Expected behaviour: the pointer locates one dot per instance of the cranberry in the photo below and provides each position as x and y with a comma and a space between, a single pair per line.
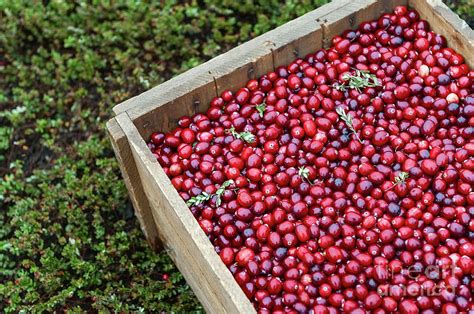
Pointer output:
408, 307
227, 256
429, 167
244, 256
373, 301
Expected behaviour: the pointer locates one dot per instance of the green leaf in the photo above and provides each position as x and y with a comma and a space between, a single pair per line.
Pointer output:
358, 80
245, 136
261, 109
304, 173
401, 178
199, 199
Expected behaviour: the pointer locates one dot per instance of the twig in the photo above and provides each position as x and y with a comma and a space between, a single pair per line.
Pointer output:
347, 118
204, 197
399, 179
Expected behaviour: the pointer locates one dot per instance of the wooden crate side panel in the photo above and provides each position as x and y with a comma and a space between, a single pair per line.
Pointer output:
196, 76
388, 6
132, 182
165, 117
443, 21
277, 47
259, 49
289, 48
233, 69
301, 36
188, 245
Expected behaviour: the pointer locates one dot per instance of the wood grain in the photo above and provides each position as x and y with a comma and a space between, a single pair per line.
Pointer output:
131, 178
187, 101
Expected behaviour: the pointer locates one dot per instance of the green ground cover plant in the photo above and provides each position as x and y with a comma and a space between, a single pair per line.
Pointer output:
68, 236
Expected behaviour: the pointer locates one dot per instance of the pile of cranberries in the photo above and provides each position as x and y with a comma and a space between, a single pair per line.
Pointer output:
326, 197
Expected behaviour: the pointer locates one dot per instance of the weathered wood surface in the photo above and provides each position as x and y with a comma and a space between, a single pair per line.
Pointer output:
132, 182
187, 244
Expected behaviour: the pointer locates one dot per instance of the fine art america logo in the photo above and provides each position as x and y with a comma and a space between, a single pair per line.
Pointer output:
433, 275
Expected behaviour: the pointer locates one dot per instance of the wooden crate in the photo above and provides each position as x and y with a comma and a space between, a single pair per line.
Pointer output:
164, 217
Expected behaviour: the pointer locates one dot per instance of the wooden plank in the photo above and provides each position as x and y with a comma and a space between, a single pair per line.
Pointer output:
131, 178
308, 29
189, 247
187, 101
169, 90
232, 69
243, 63
309, 40
347, 18
278, 47
159, 110
445, 22
388, 6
